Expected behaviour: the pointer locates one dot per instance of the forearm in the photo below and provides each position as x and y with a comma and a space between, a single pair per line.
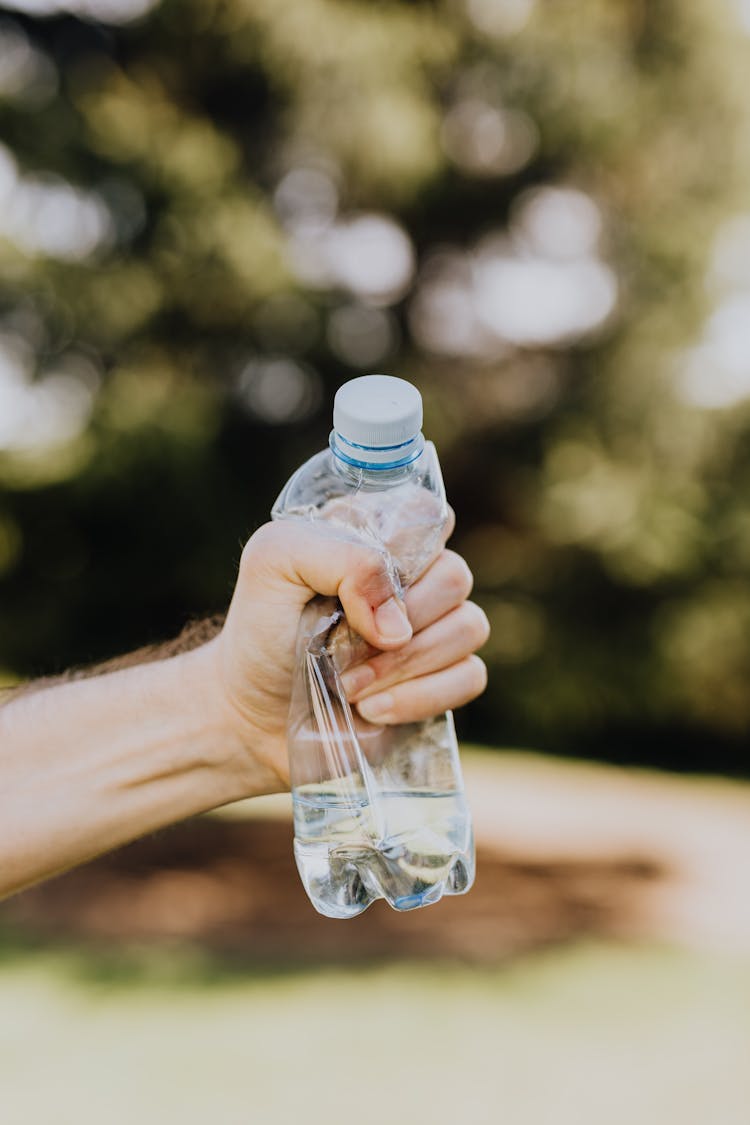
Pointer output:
89, 765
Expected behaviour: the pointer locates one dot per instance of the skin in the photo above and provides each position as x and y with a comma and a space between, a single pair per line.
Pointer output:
91, 764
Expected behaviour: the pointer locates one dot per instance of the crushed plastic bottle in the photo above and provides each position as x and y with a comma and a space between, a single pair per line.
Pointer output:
379, 811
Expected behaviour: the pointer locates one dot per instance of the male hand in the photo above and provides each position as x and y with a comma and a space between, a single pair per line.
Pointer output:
426, 663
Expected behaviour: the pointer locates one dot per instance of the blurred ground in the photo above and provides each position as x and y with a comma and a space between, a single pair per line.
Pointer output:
599, 971
564, 850
566, 1037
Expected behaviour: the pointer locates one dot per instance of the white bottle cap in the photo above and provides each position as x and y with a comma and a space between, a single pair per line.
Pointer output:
377, 421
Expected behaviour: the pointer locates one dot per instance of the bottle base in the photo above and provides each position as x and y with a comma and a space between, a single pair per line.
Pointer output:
409, 848
338, 887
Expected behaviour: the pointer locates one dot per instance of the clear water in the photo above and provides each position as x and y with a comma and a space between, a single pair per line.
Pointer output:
413, 844
411, 848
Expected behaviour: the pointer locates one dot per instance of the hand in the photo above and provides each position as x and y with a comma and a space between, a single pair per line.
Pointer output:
426, 663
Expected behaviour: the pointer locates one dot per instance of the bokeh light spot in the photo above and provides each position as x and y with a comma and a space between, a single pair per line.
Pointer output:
498, 18
100, 11
559, 223
486, 141
305, 197
369, 255
47, 216
26, 73
279, 390
716, 373
536, 302
361, 336
49, 411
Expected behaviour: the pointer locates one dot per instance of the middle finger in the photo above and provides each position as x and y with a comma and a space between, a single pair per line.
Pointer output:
444, 643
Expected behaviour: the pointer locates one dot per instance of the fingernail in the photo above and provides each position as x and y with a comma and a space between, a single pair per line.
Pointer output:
391, 621
357, 679
377, 708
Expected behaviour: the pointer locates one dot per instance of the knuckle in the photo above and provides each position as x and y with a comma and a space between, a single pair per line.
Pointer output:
458, 576
258, 541
476, 625
385, 664
372, 572
477, 674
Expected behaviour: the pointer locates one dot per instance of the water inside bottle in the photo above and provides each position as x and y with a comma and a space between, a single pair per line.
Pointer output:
379, 811
409, 847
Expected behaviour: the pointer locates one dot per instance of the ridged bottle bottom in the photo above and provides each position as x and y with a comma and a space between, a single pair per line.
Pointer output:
415, 848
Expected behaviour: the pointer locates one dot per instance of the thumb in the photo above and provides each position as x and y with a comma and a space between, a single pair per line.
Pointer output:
299, 561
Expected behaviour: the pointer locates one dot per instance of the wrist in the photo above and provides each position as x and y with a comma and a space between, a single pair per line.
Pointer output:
237, 755
90, 765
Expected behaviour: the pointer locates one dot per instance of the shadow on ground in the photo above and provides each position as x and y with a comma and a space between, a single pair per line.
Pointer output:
231, 888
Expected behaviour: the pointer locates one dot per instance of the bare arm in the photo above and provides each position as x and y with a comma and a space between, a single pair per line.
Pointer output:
92, 763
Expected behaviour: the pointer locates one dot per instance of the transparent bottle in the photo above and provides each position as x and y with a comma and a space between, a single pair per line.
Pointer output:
379, 811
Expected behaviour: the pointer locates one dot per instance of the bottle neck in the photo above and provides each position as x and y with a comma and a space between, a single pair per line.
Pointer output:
376, 467
378, 458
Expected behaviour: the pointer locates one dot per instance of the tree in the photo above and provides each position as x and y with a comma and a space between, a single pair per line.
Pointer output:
216, 211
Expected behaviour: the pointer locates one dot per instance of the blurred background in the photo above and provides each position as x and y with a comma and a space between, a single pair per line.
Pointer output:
213, 213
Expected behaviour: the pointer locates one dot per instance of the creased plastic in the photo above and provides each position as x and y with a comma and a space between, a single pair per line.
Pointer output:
379, 810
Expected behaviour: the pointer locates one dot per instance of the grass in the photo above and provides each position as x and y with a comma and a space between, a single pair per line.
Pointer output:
589, 1034
576, 1036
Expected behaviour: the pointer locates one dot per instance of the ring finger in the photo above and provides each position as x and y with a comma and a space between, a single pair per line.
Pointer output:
426, 696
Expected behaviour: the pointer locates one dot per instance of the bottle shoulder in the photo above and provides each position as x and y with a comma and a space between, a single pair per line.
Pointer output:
324, 478
309, 487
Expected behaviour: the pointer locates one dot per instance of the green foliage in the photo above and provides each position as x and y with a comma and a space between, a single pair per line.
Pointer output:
189, 313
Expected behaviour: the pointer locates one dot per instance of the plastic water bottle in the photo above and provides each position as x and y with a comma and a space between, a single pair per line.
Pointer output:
379, 811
